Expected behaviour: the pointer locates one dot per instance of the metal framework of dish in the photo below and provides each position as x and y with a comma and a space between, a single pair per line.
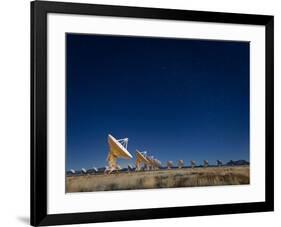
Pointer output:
117, 149
141, 159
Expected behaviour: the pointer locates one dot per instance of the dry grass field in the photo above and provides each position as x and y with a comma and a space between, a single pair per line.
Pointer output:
173, 178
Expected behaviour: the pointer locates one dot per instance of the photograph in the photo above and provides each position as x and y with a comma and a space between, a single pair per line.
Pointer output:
156, 112
148, 112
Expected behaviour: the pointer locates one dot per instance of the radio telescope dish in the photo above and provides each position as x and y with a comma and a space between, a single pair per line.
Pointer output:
150, 163
84, 171
95, 169
130, 168
156, 163
117, 149
140, 158
219, 163
169, 164
180, 164
72, 171
192, 163
206, 163
106, 169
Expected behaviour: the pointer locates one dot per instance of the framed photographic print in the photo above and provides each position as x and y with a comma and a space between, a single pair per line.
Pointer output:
143, 113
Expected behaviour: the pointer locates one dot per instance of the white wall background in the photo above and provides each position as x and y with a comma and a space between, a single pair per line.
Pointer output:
14, 110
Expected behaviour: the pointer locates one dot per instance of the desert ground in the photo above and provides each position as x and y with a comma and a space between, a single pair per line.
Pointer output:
172, 178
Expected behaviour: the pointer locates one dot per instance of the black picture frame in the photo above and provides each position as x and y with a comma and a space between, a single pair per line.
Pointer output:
39, 11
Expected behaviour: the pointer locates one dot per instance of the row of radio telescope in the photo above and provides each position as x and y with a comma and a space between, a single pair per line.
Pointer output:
118, 150
145, 165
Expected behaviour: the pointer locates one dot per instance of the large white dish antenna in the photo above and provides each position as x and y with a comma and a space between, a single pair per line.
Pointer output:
192, 163
141, 157
84, 171
170, 164
72, 171
219, 163
117, 149
180, 164
150, 159
206, 163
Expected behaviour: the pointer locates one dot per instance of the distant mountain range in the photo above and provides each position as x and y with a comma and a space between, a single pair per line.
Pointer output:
237, 163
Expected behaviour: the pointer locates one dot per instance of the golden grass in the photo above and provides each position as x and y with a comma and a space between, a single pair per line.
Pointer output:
173, 178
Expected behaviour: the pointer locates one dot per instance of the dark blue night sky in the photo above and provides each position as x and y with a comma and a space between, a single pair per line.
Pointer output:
176, 98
